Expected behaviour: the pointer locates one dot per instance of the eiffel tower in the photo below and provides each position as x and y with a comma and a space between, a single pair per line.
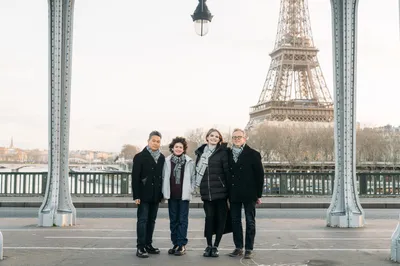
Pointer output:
295, 88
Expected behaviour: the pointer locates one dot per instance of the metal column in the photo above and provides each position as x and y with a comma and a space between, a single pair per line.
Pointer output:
345, 209
57, 208
395, 239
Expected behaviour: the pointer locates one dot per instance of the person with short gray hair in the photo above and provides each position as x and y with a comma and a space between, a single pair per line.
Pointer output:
246, 172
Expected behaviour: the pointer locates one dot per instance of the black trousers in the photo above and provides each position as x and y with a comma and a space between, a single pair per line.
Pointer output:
216, 212
250, 214
146, 220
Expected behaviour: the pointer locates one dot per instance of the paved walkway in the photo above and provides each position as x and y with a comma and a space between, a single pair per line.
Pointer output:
290, 202
279, 242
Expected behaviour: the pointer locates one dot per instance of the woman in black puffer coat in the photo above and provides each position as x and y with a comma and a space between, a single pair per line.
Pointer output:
211, 176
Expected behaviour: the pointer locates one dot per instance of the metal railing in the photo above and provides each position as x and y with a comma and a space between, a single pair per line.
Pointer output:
80, 183
119, 183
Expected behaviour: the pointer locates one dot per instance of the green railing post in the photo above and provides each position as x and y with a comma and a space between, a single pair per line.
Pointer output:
363, 183
124, 184
44, 183
282, 184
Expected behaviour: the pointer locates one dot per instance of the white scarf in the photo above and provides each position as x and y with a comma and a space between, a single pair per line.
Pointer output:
203, 162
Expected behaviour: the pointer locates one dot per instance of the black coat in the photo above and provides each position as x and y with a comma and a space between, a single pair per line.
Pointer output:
246, 180
147, 177
213, 186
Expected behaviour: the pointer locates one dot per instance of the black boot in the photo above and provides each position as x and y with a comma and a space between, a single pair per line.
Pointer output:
236, 253
248, 254
214, 252
152, 250
180, 251
142, 253
207, 252
172, 250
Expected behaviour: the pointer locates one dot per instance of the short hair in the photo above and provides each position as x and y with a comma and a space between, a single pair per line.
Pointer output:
176, 140
239, 130
221, 139
154, 133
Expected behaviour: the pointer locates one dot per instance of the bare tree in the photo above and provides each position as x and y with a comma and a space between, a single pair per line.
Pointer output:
129, 151
291, 145
34, 156
328, 145
371, 145
295, 143
264, 139
195, 138
393, 148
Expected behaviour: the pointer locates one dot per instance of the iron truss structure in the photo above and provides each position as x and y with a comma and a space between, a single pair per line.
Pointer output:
295, 88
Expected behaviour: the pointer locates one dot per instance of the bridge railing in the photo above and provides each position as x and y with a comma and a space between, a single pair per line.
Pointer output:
119, 183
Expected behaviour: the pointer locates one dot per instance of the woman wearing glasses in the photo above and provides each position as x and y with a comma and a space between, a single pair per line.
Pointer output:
212, 172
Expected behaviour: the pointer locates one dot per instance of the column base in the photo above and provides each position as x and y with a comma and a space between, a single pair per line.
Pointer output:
46, 219
344, 220
59, 219
1, 246
65, 219
395, 246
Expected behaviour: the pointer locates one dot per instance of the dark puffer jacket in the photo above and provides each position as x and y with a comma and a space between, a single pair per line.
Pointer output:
213, 186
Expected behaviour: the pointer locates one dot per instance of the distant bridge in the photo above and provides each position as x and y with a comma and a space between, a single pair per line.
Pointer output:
18, 167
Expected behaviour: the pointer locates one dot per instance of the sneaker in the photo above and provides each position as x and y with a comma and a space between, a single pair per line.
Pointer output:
180, 251
214, 252
236, 252
248, 254
172, 250
152, 250
207, 252
142, 253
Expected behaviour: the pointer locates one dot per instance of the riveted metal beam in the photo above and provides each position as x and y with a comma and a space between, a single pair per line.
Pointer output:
57, 208
345, 209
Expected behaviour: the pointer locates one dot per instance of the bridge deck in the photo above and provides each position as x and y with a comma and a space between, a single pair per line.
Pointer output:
111, 241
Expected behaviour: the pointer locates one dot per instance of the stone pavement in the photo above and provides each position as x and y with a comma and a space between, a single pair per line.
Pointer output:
279, 242
291, 202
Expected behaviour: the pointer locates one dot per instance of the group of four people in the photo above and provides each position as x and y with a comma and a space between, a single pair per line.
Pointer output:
227, 178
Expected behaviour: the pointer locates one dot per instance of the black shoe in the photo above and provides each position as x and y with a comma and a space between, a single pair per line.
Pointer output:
214, 252
172, 250
152, 250
248, 254
180, 251
142, 253
236, 253
207, 252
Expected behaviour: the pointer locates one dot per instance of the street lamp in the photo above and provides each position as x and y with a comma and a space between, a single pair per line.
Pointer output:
201, 18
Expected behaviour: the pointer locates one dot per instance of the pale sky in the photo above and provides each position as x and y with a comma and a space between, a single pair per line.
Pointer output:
139, 66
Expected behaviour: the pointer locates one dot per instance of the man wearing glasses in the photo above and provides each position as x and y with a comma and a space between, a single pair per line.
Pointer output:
245, 189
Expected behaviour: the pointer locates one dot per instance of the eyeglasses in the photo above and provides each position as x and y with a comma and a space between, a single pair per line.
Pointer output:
237, 137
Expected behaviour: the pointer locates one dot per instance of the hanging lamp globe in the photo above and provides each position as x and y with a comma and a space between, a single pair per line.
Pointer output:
202, 18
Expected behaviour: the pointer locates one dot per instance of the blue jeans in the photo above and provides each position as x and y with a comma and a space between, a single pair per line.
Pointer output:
250, 214
178, 221
146, 220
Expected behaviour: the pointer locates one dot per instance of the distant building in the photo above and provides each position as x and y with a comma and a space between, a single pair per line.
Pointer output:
12, 154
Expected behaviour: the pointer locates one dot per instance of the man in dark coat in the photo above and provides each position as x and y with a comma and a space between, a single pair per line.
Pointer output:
246, 183
146, 188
